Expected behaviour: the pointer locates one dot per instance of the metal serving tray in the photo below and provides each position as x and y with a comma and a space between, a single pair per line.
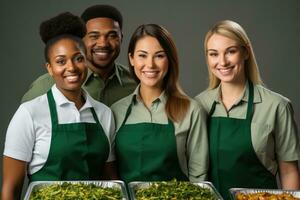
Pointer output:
140, 184
234, 191
105, 184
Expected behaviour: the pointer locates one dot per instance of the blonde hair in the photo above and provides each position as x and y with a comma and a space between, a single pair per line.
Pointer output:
235, 32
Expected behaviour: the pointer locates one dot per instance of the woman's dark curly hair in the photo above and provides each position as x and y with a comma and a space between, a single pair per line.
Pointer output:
64, 25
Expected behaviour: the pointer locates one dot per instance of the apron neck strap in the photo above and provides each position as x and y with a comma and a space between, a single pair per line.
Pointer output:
52, 107
53, 111
250, 101
212, 110
249, 106
95, 115
128, 111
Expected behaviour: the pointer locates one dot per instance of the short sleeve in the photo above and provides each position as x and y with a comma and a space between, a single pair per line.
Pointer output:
286, 136
197, 146
20, 136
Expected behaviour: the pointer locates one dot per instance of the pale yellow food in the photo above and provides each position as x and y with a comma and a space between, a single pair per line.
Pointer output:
265, 196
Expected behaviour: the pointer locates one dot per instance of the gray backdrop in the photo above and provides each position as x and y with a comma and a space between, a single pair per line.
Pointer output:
272, 25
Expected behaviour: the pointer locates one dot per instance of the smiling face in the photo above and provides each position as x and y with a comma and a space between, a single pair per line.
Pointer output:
150, 62
67, 65
226, 59
103, 40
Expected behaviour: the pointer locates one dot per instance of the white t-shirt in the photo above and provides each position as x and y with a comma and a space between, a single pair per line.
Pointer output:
28, 136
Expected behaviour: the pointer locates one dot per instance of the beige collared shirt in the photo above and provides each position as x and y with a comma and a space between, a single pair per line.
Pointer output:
190, 133
273, 128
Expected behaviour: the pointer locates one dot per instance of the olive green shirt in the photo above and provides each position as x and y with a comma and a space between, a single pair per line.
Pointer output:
273, 128
190, 133
117, 86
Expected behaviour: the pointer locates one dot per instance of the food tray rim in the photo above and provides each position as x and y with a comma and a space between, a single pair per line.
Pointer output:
207, 184
233, 191
120, 183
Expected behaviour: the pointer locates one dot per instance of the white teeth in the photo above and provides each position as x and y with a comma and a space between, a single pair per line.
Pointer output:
150, 74
101, 53
72, 78
225, 71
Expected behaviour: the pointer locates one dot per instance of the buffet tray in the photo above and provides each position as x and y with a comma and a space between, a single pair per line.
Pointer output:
141, 184
234, 191
105, 184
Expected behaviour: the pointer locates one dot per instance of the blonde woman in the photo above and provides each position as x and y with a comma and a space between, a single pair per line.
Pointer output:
252, 132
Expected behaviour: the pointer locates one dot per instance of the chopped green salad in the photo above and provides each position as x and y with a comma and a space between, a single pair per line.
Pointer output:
174, 190
78, 191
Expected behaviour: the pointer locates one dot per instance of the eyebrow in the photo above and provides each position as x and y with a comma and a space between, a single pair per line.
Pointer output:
143, 51
233, 46
64, 56
60, 56
93, 32
99, 32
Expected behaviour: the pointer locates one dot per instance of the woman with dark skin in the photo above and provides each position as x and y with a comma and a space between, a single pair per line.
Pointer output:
64, 134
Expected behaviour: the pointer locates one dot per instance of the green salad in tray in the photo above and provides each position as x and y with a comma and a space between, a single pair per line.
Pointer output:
72, 191
174, 190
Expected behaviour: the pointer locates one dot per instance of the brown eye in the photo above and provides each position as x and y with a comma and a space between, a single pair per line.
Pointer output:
233, 51
142, 55
60, 61
93, 36
213, 54
160, 55
79, 58
113, 35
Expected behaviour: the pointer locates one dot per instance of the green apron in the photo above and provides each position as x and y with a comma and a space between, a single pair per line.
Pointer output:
78, 151
233, 160
147, 152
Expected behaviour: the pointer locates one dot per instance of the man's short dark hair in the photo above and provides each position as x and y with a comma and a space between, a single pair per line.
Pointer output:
106, 11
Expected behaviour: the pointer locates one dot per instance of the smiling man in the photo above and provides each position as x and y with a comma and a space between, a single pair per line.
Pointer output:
107, 81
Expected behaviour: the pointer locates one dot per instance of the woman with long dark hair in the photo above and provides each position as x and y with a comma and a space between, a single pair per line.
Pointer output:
161, 132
